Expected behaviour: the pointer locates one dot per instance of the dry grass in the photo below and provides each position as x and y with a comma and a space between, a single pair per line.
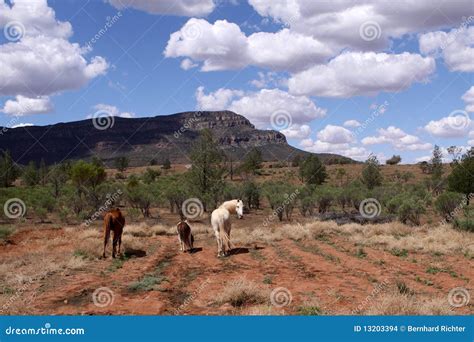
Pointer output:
262, 310
242, 292
395, 303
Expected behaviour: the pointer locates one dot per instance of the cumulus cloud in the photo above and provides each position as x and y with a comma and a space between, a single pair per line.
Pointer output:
357, 73
25, 106
458, 124
110, 111
188, 8
398, 139
468, 98
223, 46
456, 47
260, 106
297, 131
335, 135
40, 60
352, 123
365, 24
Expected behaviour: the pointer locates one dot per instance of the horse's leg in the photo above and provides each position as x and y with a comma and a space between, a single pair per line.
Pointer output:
120, 244
114, 243
106, 238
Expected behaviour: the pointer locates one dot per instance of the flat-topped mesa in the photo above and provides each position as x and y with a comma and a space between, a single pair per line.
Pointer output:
144, 139
212, 119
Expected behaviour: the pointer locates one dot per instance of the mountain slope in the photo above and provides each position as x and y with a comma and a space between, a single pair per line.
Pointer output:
144, 139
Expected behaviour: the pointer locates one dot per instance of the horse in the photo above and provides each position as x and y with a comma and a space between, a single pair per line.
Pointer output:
220, 221
113, 221
185, 237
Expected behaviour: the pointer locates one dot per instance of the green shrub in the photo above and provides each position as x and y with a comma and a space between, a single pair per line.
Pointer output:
447, 203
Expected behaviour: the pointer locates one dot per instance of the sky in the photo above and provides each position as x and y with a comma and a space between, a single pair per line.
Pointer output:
349, 77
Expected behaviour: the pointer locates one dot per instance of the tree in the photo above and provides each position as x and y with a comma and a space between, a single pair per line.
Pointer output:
252, 162
447, 203
43, 172
9, 171
296, 161
206, 174
371, 175
166, 164
58, 176
30, 174
394, 160
461, 178
121, 163
437, 165
425, 167
87, 177
312, 171
150, 175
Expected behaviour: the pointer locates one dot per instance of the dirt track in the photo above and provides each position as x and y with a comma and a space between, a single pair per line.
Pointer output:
331, 270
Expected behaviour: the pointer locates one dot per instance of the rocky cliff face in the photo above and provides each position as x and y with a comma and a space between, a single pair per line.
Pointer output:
143, 139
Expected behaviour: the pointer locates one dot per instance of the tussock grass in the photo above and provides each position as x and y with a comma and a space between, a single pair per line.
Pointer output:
242, 292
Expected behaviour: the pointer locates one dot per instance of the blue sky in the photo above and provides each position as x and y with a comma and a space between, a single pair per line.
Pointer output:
349, 78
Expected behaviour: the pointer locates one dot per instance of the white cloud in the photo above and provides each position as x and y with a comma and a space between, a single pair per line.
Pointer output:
296, 131
111, 111
188, 8
454, 126
223, 46
335, 135
468, 97
340, 23
23, 124
187, 64
42, 61
26, 106
398, 139
356, 73
352, 123
259, 106
269, 79
456, 47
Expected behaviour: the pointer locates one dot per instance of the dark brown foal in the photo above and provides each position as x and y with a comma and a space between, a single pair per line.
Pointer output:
113, 221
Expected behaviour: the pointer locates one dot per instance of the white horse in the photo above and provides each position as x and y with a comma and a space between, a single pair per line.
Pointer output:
220, 221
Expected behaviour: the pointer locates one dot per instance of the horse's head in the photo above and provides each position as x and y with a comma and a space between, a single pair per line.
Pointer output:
239, 208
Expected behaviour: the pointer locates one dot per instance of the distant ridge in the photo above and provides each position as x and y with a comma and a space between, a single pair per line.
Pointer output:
144, 139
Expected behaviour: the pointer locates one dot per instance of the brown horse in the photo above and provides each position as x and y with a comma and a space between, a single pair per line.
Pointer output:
113, 221
185, 237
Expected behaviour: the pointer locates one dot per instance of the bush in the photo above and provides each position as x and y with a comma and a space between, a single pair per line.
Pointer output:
325, 196
394, 160
371, 175
312, 171
447, 202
